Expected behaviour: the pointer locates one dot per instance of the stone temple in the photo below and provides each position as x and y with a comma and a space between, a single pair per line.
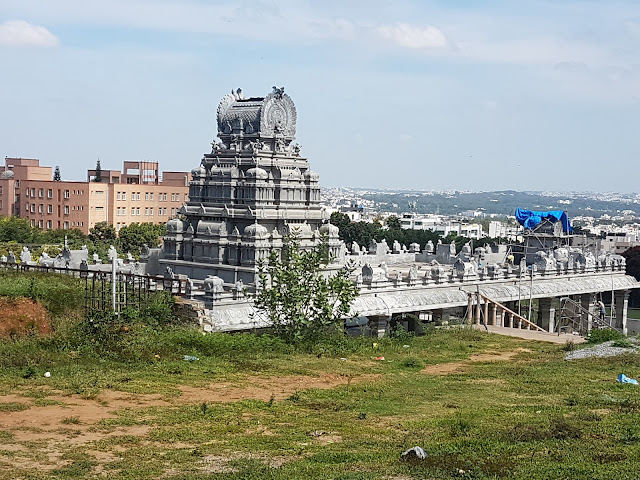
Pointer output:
251, 190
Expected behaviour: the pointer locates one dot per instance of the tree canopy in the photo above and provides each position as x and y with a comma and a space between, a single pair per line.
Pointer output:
299, 300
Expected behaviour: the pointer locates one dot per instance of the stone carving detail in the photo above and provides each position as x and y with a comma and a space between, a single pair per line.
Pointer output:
545, 263
373, 275
225, 103
463, 269
413, 274
25, 255
429, 247
278, 115
112, 253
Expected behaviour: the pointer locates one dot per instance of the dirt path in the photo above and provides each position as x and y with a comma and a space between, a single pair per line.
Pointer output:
456, 367
71, 421
77, 414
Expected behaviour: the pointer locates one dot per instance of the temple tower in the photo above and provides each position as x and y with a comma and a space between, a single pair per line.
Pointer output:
251, 190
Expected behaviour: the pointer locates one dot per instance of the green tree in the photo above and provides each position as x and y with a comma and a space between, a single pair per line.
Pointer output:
340, 220
133, 237
632, 256
15, 229
98, 175
299, 300
103, 233
393, 222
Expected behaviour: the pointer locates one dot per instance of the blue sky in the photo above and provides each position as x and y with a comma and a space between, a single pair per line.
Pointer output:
535, 95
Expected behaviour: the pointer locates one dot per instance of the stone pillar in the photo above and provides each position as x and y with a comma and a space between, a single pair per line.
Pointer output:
478, 307
547, 308
470, 310
499, 317
486, 312
587, 303
622, 303
379, 325
510, 319
494, 316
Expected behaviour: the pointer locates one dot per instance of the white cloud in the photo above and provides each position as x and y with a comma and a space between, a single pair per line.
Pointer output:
18, 33
406, 35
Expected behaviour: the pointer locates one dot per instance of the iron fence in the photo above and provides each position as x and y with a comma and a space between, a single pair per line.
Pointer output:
104, 291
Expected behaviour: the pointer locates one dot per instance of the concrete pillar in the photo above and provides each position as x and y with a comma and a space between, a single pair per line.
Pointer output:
494, 311
470, 310
486, 312
622, 304
510, 319
547, 309
587, 303
379, 325
478, 307
499, 317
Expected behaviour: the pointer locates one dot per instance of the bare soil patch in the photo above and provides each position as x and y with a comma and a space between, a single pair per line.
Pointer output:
71, 420
453, 367
22, 316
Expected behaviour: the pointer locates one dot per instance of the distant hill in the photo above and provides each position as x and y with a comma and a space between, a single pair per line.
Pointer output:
505, 202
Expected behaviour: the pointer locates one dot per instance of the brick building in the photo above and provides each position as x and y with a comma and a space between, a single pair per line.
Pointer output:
137, 194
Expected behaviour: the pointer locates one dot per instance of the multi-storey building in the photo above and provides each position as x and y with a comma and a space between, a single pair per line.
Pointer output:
137, 194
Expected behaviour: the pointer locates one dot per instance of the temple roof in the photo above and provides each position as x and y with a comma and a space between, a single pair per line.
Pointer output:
270, 116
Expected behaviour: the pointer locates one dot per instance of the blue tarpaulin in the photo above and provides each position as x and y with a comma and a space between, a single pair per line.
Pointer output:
531, 219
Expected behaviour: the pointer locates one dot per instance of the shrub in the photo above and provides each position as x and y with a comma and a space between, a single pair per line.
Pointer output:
601, 335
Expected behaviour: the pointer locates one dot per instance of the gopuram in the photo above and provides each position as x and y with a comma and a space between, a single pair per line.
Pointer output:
251, 190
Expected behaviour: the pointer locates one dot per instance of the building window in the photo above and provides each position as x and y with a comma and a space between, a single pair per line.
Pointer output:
49, 208
146, 195
133, 211
146, 211
33, 208
151, 211
99, 192
0, 190
41, 208
50, 193
33, 192
66, 209
99, 208
138, 196
40, 192
66, 225
66, 194
40, 223
151, 196
118, 196
49, 224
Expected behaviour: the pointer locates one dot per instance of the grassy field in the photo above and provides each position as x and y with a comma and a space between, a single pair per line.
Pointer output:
122, 402
481, 405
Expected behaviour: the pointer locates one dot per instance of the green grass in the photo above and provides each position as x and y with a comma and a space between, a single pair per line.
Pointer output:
533, 416
58, 293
